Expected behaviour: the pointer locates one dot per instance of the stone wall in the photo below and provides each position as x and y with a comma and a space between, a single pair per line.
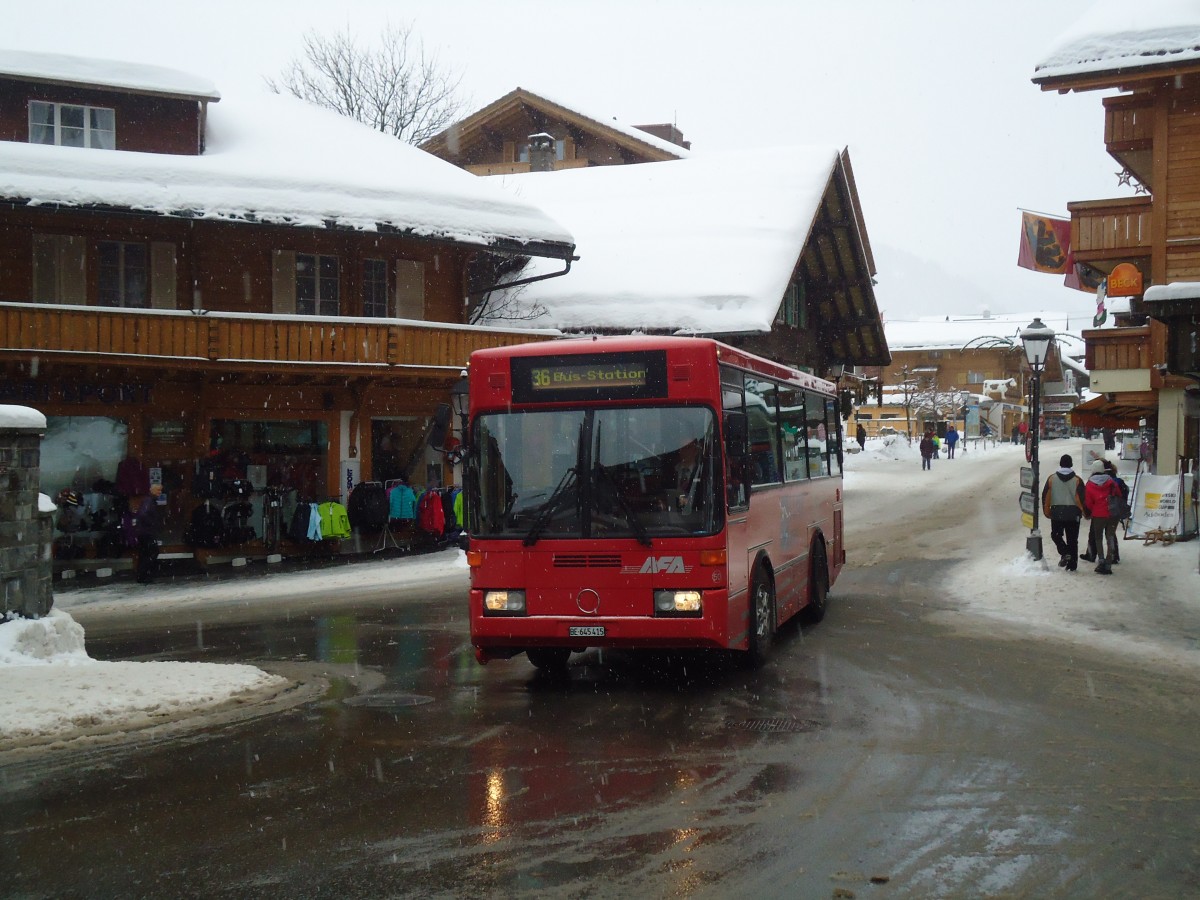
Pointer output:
26, 530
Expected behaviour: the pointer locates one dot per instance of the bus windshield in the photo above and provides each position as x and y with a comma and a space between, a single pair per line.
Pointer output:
650, 471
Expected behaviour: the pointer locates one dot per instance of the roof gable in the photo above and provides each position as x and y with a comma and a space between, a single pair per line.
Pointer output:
457, 142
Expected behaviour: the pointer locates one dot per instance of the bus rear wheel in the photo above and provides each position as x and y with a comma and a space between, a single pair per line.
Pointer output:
762, 618
549, 659
818, 587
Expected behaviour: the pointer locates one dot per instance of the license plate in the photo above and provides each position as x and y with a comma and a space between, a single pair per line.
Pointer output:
585, 631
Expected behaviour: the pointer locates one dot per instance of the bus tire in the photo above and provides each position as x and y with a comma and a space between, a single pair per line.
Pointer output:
818, 586
762, 617
549, 659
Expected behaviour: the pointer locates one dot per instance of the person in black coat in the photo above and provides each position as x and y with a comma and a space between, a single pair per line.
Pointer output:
147, 525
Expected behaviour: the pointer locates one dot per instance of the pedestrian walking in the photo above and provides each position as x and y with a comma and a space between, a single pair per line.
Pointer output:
1102, 499
928, 448
1064, 503
140, 526
861, 436
951, 440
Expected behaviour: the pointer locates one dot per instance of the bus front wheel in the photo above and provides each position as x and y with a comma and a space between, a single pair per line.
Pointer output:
549, 659
762, 618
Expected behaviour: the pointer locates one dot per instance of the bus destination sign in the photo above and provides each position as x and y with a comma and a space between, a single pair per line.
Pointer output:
568, 377
589, 376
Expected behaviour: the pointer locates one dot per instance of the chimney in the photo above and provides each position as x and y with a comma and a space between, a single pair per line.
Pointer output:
541, 152
666, 132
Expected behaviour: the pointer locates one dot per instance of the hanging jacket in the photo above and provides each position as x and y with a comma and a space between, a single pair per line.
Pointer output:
132, 478
430, 515
402, 503
314, 523
334, 522
367, 505
458, 508
298, 528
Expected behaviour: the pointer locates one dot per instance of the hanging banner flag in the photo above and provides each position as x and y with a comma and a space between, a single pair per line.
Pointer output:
1101, 311
1045, 244
1083, 277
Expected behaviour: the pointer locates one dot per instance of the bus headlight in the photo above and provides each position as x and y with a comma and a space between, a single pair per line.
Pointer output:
678, 603
504, 603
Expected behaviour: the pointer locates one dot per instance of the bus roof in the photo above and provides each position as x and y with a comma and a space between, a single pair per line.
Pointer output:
627, 343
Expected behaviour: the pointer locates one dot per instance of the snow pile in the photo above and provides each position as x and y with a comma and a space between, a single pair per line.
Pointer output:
52, 687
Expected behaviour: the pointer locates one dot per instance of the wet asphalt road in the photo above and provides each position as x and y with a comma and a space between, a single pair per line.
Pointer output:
875, 755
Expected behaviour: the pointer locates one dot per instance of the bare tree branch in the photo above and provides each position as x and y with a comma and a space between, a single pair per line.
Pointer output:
394, 87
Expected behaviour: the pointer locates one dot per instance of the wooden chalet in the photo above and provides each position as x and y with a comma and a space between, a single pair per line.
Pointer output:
498, 139
187, 278
1152, 129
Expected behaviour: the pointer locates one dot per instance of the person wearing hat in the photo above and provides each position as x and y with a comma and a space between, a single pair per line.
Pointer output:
1100, 486
1064, 504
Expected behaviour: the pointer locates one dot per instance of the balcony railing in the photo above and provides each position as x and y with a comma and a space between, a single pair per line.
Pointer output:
153, 336
1110, 229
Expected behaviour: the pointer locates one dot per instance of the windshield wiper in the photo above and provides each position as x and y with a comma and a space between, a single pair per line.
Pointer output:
550, 507
639, 530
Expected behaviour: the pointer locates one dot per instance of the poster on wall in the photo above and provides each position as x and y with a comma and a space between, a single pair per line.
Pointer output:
1156, 503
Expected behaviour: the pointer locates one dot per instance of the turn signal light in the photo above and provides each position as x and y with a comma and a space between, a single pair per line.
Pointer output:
474, 558
712, 557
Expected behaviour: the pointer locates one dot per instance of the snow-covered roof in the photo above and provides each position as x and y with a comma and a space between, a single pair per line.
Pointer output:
955, 332
21, 417
275, 159
705, 244
105, 73
1119, 36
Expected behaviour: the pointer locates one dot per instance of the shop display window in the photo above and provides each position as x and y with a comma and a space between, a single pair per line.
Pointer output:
79, 460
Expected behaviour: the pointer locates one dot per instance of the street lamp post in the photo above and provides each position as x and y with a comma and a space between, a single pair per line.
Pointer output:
1036, 339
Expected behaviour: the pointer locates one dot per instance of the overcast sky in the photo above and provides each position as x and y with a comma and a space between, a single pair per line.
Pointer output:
947, 134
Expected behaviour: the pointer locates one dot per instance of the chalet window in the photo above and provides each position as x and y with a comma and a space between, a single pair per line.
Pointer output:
792, 312
317, 285
974, 377
59, 268
69, 125
560, 151
410, 289
123, 274
375, 287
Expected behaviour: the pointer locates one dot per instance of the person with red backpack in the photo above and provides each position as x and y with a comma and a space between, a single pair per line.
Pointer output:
1103, 500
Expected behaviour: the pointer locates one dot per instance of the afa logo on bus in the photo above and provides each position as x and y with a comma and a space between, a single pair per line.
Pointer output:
654, 565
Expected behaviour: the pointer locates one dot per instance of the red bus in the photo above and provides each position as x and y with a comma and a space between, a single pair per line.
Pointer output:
647, 492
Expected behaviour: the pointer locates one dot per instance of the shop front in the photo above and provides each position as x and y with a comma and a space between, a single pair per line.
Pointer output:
234, 443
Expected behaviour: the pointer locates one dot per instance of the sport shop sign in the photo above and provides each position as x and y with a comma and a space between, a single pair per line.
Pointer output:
34, 393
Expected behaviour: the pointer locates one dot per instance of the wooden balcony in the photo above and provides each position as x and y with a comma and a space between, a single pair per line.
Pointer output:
224, 340
1129, 133
1142, 348
1110, 231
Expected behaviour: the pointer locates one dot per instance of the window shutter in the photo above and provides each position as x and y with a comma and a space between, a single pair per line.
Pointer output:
162, 275
283, 282
410, 289
59, 268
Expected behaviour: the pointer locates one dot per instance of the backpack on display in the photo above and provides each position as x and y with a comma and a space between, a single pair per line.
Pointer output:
207, 527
